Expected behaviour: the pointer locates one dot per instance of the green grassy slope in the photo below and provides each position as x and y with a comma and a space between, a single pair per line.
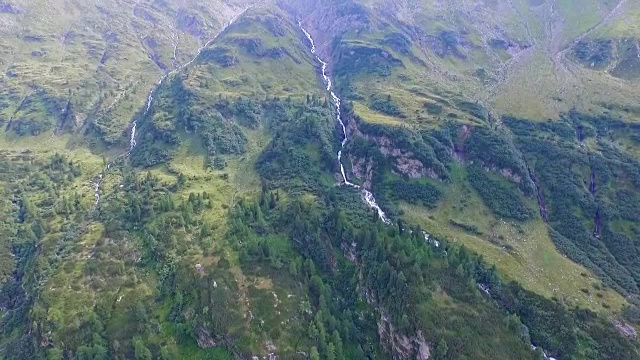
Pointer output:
223, 233
421, 78
85, 65
98, 283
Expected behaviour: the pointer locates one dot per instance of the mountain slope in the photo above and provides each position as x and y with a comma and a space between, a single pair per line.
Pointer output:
89, 65
223, 231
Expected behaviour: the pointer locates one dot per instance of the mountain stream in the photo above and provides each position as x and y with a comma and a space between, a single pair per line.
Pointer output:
132, 139
367, 196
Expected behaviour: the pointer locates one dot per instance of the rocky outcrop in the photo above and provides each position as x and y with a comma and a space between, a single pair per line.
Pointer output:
142, 13
401, 346
405, 162
204, 338
507, 173
190, 23
414, 169
7, 8
625, 329
362, 171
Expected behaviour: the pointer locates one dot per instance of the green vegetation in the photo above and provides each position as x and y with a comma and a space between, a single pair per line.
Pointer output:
224, 234
502, 199
424, 194
95, 74
386, 106
580, 188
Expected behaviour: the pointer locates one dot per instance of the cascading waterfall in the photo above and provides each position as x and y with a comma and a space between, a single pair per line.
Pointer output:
132, 138
367, 196
132, 141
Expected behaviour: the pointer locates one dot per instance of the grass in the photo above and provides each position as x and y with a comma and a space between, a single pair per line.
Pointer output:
46, 145
371, 116
226, 187
581, 16
98, 55
193, 351
627, 24
521, 251
535, 86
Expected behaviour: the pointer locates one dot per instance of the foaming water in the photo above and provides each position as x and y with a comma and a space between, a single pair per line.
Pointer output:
367, 196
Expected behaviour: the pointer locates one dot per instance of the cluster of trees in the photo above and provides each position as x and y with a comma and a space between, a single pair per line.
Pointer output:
494, 149
501, 197
385, 105
219, 125
474, 109
413, 192
431, 147
352, 275
593, 53
583, 213
351, 59
38, 112
35, 195
394, 272
303, 144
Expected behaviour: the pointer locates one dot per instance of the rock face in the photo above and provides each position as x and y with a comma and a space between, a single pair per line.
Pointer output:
413, 168
204, 338
506, 172
625, 329
362, 171
8, 8
401, 346
404, 163
190, 23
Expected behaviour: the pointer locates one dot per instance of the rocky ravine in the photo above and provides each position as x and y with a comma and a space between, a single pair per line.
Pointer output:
367, 196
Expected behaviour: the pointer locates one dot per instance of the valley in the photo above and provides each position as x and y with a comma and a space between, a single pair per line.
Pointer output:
305, 179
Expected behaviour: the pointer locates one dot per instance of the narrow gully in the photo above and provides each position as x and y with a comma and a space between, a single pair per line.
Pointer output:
132, 139
367, 196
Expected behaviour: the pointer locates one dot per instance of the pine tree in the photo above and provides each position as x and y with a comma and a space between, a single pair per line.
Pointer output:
141, 351
337, 341
331, 352
360, 355
314, 355
441, 350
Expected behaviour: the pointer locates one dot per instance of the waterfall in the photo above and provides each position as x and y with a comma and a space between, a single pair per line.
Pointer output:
367, 196
132, 139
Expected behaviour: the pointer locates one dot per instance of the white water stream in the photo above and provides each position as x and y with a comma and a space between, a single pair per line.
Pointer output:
132, 138
367, 196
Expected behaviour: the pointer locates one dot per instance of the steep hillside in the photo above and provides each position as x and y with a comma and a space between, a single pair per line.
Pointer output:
88, 66
202, 180
488, 51
402, 68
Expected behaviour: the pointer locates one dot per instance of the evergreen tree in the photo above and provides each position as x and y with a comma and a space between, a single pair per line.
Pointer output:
141, 351
337, 341
360, 355
314, 355
441, 350
331, 352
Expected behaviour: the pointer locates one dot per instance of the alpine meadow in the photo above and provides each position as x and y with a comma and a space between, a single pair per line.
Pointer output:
320, 179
